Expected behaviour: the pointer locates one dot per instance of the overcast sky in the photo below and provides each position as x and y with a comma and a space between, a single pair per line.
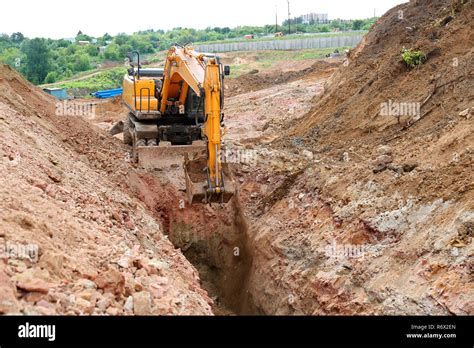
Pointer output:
63, 19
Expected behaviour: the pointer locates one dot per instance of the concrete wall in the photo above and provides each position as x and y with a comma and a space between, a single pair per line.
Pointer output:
294, 44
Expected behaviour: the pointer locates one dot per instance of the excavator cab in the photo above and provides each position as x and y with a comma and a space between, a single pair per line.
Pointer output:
176, 117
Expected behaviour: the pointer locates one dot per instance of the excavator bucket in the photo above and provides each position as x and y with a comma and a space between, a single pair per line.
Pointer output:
166, 155
194, 159
197, 184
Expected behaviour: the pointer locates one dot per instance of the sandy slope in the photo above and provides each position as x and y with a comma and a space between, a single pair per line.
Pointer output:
63, 189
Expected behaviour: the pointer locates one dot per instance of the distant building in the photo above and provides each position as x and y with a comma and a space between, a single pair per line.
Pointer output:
348, 21
249, 37
59, 93
83, 43
315, 18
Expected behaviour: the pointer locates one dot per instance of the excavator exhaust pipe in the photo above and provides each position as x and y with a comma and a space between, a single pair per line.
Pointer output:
197, 185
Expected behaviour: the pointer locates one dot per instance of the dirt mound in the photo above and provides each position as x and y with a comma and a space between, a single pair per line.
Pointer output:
375, 74
351, 113
74, 237
285, 72
110, 111
14, 90
380, 220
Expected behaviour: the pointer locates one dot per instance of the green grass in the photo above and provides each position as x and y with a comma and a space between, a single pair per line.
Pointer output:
108, 79
158, 57
413, 58
268, 59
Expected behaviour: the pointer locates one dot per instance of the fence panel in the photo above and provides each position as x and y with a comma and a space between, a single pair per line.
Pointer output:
295, 44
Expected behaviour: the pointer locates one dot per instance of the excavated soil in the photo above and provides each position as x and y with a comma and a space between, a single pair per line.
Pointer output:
284, 72
340, 210
380, 220
64, 190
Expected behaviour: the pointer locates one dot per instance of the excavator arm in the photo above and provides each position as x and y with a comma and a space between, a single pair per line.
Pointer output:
184, 69
212, 128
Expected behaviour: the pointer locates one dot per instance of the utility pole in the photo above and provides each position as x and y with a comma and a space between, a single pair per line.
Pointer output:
289, 16
276, 18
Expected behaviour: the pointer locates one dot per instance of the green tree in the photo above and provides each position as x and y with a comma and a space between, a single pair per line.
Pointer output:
124, 50
17, 37
81, 62
38, 60
71, 50
112, 52
121, 39
368, 23
357, 24
82, 37
67, 74
61, 43
107, 37
13, 57
4, 38
5, 42
324, 29
92, 50
51, 77
185, 36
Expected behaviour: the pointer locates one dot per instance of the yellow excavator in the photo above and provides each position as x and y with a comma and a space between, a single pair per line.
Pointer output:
177, 112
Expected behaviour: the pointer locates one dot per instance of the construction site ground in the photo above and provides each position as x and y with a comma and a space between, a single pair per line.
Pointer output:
340, 211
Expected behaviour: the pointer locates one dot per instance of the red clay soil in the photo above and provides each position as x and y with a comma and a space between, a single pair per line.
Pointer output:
346, 212
64, 189
380, 221
255, 81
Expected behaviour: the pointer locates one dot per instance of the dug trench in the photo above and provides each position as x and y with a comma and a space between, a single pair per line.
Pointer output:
213, 238
331, 171
219, 239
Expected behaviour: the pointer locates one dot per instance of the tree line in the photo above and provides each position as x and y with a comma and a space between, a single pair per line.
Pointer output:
47, 61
